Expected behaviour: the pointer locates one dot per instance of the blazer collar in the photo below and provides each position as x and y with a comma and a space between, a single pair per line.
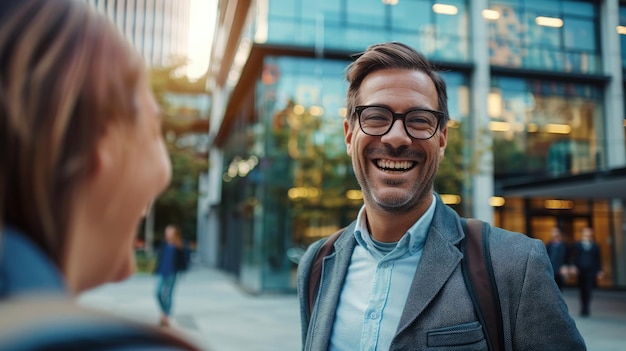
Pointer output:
439, 260
334, 265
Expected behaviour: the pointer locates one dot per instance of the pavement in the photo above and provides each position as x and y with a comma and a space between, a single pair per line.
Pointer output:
211, 309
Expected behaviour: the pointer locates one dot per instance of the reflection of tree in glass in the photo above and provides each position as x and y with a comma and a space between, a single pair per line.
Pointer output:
320, 176
451, 173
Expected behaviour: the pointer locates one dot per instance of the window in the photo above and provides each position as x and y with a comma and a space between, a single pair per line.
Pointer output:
546, 35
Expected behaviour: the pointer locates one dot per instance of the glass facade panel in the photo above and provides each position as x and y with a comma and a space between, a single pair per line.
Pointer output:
452, 173
546, 35
413, 16
536, 217
544, 128
355, 24
366, 13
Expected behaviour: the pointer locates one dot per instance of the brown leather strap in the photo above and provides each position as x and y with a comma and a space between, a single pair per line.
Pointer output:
316, 268
480, 281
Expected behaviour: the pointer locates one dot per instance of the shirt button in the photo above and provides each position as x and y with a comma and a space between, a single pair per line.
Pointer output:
385, 264
373, 315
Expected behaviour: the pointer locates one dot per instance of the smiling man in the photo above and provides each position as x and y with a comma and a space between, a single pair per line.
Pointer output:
394, 280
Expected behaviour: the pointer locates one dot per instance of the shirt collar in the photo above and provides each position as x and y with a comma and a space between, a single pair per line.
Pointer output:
411, 242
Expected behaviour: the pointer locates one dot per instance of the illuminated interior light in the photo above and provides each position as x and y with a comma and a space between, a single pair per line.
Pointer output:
354, 195
342, 112
532, 128
443, 9
453, 123
500, 126
621, 30
496, 201
490, 15
390, 2
450, 199
558, 128
312, 192
558, 204
549, 22
243, 169
316, 111
298, 109
292, 193
494, 105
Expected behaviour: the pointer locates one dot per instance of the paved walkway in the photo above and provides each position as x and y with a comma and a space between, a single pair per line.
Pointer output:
213, 310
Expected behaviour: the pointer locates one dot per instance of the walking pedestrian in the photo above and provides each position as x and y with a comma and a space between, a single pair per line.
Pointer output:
172, 259
587, 263
558, 251
394, 280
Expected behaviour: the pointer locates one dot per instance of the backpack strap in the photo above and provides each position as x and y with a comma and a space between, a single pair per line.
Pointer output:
316, 268
480, 280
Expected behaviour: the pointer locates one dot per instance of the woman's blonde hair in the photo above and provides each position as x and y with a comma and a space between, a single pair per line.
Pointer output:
66, 73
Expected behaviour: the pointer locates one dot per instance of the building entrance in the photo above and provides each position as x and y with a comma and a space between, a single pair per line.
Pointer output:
571, 225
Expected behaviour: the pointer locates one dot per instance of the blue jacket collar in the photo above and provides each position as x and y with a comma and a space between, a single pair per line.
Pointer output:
25, 269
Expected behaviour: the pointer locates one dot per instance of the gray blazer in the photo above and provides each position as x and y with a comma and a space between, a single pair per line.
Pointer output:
438, 314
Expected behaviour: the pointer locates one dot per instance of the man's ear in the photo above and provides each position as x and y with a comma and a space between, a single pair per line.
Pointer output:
347, 131
443, 141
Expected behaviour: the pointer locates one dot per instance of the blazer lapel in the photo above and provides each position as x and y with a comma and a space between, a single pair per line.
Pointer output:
439, 260
334, 271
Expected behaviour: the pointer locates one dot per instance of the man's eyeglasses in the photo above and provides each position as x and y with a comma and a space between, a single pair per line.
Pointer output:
419, 123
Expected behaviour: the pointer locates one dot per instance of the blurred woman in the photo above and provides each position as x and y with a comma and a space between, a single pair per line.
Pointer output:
81, 149
172, 258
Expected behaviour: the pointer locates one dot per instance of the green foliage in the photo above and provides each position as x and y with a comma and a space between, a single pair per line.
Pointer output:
178, 204
451, 173
144, 263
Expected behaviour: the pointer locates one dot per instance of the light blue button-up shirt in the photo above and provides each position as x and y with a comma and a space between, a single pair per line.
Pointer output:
376, 288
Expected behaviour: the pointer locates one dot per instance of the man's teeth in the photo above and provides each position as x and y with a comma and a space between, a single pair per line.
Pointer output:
399, 165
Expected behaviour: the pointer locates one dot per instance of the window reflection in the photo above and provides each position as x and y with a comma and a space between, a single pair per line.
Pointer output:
440, 31
552, 35
545, 128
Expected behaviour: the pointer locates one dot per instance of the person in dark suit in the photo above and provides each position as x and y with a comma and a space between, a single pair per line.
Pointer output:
558, 251
587, 263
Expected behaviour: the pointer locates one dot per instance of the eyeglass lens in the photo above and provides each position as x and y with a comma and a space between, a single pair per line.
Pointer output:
377, 121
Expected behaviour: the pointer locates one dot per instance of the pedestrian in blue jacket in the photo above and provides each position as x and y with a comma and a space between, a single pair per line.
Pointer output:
172, 258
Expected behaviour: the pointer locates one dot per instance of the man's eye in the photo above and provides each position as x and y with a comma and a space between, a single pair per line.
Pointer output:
376, 117
421, 119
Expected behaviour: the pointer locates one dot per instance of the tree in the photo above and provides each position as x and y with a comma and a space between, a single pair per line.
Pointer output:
178, 204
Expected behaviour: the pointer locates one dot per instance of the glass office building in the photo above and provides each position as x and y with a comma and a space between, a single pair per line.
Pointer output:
536, 137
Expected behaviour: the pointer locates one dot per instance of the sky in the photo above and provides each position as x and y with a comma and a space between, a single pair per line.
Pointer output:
201, 28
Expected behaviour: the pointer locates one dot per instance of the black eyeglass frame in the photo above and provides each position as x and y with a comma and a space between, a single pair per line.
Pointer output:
401, 116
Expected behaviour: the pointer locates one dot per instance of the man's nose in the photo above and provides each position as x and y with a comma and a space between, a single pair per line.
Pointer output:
397, 135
